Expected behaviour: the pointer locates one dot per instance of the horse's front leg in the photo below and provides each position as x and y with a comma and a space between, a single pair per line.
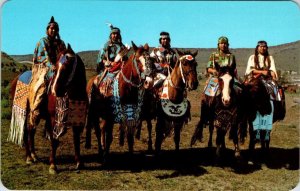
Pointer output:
237, 152
220, 141
108, 127
54, 145
99, 134
177, 137
149, 127
76, 139
159, 135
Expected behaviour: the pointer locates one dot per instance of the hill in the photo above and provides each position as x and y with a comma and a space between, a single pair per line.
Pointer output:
286, 56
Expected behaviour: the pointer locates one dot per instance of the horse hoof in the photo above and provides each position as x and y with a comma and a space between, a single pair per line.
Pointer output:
52, 169
237, 154
29, 160
34, 157
79, 166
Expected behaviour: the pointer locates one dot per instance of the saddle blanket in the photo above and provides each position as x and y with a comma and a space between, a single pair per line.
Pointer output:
212, 87
21, 95
263, 122
170, 108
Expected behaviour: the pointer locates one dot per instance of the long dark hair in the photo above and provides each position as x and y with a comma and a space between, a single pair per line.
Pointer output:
266, 56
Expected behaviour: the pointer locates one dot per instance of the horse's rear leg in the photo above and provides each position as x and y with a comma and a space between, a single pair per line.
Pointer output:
76, 139
149, 127
211, 131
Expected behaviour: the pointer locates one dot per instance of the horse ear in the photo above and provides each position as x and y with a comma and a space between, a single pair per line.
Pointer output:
134, 46
69, 47
146, 47
195, 54
179, 52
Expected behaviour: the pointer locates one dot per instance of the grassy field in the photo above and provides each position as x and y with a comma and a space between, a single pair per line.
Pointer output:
190, 169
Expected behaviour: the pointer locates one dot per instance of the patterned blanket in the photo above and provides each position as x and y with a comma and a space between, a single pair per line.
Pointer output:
19, 109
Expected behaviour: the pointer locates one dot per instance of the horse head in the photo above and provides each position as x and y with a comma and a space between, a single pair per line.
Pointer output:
226, 80
65, 69
144, 64
188, 69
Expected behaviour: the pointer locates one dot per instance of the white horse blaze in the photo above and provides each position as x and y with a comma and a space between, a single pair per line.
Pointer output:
55, 79
226, 90
143, 61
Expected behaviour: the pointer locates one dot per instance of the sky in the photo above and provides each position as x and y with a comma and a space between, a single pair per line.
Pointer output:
191, 24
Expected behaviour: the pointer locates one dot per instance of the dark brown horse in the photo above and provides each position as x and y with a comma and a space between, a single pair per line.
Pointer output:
221, 111
122, 103
173, 109
68, 84
257, 100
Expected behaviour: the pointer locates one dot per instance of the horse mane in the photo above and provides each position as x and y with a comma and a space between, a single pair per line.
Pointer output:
78, 83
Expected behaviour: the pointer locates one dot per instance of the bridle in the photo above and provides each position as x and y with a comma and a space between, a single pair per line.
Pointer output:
142, 75
182, 72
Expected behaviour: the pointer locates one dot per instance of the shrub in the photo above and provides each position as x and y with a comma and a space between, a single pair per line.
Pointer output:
4, 103
6, 114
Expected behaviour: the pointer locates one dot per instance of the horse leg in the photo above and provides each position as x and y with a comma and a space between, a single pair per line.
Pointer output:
251, 142
76, 139
88, 132
121, 134
138, 130
54, 145
130, 139
198, 133
177, 138
220, 140
211, 131
99, 135
149, 127
235, 138
159, 135
29, 159
108, 127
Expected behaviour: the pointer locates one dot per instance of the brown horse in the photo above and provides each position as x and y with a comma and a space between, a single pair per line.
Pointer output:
68, 84
122, 103
222, 111
173, 109
257, 100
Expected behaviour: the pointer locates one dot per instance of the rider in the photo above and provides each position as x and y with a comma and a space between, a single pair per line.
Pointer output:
223, 57
43, 68
165, 57
261, 65
106, 57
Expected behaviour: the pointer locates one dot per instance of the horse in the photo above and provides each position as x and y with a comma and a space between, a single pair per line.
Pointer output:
257, 99
173, 109
67, 89
222, 108
122, 104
